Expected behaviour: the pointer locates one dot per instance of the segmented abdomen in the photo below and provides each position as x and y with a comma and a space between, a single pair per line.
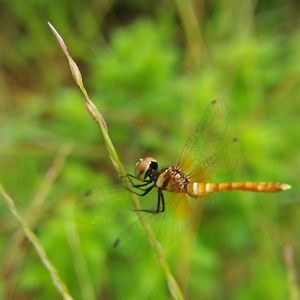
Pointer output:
200, 189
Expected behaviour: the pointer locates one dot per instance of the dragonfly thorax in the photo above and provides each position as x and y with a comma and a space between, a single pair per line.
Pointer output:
146, 168
173, 180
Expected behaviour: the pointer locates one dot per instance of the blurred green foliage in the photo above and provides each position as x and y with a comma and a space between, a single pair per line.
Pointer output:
151, 74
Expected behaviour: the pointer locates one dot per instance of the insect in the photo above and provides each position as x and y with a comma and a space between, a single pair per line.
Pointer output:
207, 157
201, 153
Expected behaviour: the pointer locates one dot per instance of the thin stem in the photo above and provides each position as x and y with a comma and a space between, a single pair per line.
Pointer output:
85, 284
57, 281
288, 255
97, 116
192, 31
11, 258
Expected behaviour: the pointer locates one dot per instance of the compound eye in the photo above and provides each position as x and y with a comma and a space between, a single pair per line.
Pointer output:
142, 166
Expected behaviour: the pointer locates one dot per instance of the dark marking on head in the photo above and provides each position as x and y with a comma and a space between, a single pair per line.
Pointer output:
154, 165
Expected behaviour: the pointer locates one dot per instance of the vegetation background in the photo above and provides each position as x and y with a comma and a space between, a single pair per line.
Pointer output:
151, 68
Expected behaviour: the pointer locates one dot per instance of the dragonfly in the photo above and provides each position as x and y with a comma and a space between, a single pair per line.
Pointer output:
190, 176
206, 156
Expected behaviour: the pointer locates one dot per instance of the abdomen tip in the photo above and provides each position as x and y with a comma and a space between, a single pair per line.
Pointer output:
285, 187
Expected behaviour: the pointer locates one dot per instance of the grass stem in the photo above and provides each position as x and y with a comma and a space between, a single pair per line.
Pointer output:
57, 281
97, 116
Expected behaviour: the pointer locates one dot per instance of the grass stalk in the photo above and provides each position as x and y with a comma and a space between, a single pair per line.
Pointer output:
57, 281
13, 258
84, 281
192, 31
97, 116
289, 259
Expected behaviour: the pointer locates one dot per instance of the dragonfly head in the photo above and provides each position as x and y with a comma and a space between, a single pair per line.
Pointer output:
145, 167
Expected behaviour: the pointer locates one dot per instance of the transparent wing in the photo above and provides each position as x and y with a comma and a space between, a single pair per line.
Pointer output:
205, 146
106, 213
224, 164
132, 245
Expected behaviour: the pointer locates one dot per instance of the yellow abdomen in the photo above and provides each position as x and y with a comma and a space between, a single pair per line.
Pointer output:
201, 189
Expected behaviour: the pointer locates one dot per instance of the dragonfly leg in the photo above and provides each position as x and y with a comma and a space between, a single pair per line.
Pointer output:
139, 186
145, 191
160, 202
129, 176
144, 182
159, 194
162, 198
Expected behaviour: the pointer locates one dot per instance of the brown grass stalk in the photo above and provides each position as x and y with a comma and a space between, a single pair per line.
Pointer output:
56, 279
12, 258
97, 116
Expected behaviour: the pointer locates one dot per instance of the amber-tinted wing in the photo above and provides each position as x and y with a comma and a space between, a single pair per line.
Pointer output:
132, 246
106, 213
207, 144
